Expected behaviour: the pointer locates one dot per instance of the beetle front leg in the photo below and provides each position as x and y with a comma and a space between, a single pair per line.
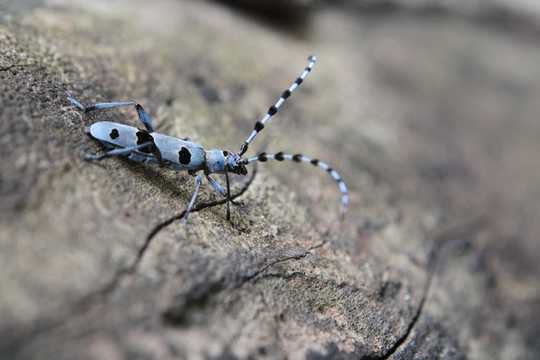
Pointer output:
219, 188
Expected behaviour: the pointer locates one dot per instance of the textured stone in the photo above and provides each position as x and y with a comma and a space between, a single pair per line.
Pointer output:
432, 122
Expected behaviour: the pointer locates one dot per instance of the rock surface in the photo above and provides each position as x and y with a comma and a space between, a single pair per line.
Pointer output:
432, 120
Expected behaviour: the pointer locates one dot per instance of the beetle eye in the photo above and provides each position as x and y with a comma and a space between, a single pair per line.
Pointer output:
225, 153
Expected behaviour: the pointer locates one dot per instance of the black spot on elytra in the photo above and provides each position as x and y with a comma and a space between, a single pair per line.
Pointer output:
297, 157
114, 134
298, 81
144, 136
184, 156
315, 162
279, 156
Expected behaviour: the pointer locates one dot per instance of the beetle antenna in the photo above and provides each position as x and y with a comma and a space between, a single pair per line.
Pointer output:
280, 156
259, 125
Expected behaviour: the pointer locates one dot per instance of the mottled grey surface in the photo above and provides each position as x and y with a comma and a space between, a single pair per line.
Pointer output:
432, 121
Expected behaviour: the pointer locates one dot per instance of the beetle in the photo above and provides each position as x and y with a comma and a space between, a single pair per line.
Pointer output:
146, 145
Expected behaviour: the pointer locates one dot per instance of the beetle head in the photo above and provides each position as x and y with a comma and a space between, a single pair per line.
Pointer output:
235, 164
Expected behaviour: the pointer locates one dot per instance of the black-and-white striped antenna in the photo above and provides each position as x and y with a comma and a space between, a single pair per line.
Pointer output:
280, 156
259, 125
151, 147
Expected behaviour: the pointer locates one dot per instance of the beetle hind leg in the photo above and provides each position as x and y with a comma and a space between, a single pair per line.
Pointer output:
115, 152
144, 117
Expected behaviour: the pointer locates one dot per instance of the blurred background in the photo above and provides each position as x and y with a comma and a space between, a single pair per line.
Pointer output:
428, 108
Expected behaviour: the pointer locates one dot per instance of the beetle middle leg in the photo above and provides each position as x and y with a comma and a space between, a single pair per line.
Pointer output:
198, 182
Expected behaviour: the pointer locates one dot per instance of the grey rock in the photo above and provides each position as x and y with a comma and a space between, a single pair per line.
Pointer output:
432, 122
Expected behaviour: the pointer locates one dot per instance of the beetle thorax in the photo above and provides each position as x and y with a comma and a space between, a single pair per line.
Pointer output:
215, 161
221, 161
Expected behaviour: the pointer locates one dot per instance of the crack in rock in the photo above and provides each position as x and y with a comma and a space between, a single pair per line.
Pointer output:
12, 66
439, 242
12, 344
211, 277
437, 248
152, 234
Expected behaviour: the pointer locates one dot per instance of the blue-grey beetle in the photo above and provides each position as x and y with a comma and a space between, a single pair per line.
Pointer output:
146, 145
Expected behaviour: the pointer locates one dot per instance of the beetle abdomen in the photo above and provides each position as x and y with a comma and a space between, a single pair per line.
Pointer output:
113, 133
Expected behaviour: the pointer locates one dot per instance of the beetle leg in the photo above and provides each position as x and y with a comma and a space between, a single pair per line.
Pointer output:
116, 152
198, 182
219, 188
144, 117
